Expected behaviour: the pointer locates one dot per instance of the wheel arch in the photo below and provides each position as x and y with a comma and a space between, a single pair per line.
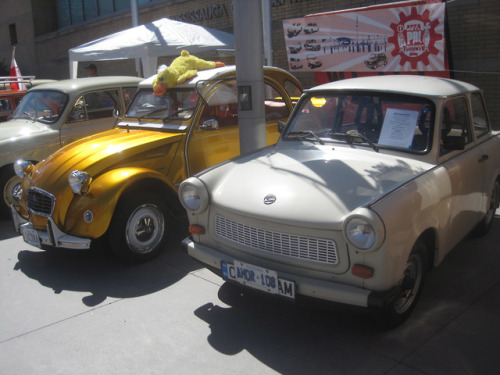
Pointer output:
106, 193
160, 187
429, 239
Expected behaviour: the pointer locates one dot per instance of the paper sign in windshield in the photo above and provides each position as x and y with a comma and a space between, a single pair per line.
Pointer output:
398, 128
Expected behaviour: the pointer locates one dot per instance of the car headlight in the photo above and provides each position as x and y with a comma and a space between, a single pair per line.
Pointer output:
364, 230
22, 167
193, 195
79, 182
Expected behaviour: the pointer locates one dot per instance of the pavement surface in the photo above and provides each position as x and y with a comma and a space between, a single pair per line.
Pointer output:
85, 313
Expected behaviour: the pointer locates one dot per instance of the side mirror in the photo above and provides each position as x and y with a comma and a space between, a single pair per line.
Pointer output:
210, 124
281, 126
116, 113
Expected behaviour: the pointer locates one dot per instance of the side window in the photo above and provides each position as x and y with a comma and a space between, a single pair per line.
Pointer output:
293, 91
481, 125
222, 107
275, 104
5, 106
128, 94
94, 105
455, 126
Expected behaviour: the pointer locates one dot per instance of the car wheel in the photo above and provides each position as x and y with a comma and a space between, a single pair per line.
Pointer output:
485, 225
9, 183
140, 227
409, 289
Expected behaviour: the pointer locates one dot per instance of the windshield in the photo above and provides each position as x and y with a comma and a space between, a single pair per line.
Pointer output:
44, 106
374, 119
175, 104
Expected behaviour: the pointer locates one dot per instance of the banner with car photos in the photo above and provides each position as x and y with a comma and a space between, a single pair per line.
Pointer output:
401, 37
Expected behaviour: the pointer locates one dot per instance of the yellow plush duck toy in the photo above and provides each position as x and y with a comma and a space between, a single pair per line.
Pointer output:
182, 68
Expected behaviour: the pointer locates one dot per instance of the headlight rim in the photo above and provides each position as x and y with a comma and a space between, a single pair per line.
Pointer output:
79, 181
373, 220
23, 167
201, 191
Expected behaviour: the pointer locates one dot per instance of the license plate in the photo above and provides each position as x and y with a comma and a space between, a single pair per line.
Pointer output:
31, 236
258, 278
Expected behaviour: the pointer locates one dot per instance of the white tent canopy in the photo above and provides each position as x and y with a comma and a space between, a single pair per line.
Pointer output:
163, 37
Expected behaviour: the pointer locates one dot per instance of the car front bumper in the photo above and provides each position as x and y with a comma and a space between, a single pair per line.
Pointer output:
305, 286
52, 236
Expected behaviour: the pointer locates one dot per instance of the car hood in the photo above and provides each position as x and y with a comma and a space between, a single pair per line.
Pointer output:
310, 184
100, 152
20, 128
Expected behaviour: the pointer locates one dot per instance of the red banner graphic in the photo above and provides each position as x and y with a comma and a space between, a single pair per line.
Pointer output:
406, 37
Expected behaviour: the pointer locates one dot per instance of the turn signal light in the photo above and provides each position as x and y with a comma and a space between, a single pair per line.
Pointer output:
196, 229
364, 272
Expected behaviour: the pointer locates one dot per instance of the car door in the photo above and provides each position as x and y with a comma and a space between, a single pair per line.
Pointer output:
490, 153
92, 113
215, 136
465, 168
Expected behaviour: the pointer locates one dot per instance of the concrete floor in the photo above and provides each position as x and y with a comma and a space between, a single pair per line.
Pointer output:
85, 313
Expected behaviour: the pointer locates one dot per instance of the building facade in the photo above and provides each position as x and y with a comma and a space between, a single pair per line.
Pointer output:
42, 31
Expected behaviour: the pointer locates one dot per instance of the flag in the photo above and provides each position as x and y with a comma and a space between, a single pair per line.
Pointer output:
15, 72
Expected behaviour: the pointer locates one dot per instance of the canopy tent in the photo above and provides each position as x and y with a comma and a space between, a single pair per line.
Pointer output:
163, 37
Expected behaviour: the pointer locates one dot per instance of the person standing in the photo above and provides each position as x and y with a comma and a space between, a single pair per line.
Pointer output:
91, 70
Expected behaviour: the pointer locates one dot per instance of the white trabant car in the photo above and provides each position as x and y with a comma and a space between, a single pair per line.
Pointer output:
373, 181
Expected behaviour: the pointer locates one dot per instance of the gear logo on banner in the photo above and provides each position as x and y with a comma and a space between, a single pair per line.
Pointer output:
414, 38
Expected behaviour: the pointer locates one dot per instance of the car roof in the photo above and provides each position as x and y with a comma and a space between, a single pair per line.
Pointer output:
402, 84
204, 75
90, 83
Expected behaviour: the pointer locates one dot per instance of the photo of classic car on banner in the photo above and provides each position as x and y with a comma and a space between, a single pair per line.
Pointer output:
122, 184
372, 183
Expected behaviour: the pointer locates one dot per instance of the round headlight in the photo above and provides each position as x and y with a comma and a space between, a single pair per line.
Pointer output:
360, 233
79, 182
193, 195
22, 167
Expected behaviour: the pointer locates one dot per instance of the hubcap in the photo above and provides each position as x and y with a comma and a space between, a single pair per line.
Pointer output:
410, 283
145, 229
494, 198
11, 187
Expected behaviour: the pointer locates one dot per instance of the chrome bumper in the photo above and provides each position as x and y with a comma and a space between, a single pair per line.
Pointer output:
52, 236
319, 289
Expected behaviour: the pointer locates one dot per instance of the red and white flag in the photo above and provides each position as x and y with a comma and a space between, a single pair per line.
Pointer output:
15, 72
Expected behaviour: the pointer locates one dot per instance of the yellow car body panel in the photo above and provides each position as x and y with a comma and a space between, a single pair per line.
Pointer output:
161, 141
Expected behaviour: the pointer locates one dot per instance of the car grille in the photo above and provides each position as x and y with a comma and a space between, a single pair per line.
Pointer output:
40, 202
301, 247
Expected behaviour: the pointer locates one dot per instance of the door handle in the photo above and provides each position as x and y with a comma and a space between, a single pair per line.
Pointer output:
483, 158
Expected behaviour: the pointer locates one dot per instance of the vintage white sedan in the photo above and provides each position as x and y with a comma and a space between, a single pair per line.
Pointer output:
373, 181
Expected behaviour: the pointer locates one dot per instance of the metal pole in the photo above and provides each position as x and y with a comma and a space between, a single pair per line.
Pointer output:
135, 22
249, 73
267, 26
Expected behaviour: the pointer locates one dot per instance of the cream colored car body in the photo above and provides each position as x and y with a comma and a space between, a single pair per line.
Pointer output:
33, 134
133, 170
266, 208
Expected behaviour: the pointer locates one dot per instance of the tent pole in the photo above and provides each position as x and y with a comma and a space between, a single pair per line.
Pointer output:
135, 22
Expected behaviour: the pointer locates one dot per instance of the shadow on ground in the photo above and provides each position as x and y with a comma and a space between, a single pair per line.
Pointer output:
297, 338
101, 274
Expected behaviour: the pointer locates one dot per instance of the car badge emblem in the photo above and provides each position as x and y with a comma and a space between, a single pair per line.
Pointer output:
269, 199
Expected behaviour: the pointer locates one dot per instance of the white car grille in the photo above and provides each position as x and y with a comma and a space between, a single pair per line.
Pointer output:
301, 247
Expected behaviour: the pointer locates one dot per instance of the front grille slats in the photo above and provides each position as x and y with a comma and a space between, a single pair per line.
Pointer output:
290, 245
40, 202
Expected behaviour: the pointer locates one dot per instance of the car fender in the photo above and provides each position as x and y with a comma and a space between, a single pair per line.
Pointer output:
102, 198
419, 199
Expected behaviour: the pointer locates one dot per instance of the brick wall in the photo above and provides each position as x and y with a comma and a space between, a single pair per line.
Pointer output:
474, 34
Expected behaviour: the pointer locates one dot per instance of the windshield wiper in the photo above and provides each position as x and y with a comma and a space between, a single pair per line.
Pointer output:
354, 138
30, 116
177, 112
305, 133
157, 110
